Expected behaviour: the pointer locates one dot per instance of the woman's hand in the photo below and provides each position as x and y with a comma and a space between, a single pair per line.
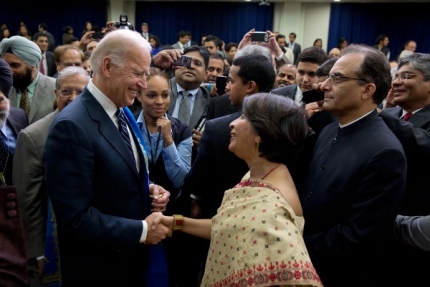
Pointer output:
164, 126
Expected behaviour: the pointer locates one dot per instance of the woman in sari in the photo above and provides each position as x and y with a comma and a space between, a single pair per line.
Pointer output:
256, 235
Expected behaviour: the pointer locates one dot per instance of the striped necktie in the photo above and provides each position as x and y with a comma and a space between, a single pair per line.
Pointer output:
122, 127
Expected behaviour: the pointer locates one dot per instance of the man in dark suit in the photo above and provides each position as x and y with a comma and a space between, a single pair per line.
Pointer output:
187, 82
353, 190
47, 65
29, 176
221, 106
297, 49
13, 269
43, 28
410, 122
307, 63
32, 91
96, 175
216, 169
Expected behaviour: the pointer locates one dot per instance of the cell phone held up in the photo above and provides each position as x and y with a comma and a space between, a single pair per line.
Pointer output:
220, 83
312, 96
258, 36
97, 36
183, 61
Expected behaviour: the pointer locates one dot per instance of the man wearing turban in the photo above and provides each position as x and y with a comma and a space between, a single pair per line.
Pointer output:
13, 270
32, 91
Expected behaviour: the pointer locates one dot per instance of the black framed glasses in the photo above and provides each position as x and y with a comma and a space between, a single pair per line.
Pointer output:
339, 79
69, 92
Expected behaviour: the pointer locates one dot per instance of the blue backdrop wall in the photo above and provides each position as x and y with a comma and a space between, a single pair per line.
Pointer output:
227, 20
363, 22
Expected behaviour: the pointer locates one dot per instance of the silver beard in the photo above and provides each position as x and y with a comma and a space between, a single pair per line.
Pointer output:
4, 114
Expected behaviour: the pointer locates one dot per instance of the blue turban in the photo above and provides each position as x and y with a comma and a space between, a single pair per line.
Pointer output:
25, 49
6, 78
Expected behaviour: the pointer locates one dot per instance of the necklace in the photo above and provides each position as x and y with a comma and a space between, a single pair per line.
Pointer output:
272, 169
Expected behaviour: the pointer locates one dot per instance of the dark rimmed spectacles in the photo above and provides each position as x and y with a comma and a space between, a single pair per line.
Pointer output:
339, 79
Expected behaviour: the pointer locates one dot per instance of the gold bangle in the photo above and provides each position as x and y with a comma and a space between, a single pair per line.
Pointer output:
178, 222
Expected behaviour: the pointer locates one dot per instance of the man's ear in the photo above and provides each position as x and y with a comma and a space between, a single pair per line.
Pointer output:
369, 90
252, 88
106, 66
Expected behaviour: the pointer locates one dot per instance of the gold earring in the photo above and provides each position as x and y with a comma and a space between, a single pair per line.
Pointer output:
257, 148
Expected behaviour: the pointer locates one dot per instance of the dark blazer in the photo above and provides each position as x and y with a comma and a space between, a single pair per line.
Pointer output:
414, 136
201, 103
287, 91
216, 168
97, 195
50, 62
353, 192
296, 51
220, 106
16, 121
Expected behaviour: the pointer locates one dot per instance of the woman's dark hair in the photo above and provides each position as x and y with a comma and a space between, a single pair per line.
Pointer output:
280, 123
340, 42
157, 41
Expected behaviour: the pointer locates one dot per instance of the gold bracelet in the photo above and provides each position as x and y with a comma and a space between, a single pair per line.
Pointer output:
178, 222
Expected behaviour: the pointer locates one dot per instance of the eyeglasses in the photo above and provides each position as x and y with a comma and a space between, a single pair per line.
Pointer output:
339, 79
69, 92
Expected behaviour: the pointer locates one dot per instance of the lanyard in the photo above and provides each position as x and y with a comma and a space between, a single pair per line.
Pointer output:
153, 153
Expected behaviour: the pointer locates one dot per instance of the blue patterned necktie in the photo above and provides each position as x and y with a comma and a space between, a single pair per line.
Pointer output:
122, 127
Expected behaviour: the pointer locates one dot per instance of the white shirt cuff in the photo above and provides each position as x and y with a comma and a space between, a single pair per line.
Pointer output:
144, 231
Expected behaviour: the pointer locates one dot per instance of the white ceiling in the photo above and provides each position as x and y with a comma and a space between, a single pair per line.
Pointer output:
306, 1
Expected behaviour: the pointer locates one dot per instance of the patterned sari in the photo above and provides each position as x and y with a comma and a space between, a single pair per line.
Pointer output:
257, 240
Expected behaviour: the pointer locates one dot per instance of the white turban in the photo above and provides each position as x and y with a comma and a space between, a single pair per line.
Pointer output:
25, 49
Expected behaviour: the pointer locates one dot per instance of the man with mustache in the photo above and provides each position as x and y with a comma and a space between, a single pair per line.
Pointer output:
307, 63
188, 99
32, 91
286, 76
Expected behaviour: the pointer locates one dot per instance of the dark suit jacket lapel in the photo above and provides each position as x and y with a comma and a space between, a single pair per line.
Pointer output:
173, 96
108, 129
201, 102
40, 93
421, 118
17, 120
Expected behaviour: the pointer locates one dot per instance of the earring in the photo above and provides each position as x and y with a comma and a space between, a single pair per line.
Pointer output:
257, 148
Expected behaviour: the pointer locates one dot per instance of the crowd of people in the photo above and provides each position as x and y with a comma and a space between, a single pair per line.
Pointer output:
128, 163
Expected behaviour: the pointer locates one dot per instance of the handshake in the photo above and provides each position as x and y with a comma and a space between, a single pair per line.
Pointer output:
159, 227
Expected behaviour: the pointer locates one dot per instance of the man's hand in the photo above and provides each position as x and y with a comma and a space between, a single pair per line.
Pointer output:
160, 197
273, 45
165, 58
40, 264
156, 231
389, 100
246, 40
196, 210
167, 221
86, 38
196, 138
311, 109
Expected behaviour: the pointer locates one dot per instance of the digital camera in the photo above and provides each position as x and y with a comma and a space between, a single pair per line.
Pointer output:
123, 23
